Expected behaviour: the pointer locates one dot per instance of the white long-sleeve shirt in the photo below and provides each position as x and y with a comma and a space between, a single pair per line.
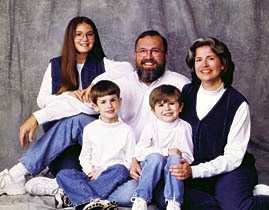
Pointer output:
57, 107
105, 144
237, 140
135, 109
113, 69
159, 136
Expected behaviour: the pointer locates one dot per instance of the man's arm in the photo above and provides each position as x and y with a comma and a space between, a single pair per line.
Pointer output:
28, 127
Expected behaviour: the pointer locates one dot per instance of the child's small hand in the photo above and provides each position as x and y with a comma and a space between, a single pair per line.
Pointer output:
95, 174
135, 170
172, 151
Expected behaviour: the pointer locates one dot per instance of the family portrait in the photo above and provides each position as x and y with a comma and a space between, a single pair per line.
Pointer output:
117, 105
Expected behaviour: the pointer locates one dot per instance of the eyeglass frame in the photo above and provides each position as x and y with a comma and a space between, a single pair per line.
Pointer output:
90, 35
151, 51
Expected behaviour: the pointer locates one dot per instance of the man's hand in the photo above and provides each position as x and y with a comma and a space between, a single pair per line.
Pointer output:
28, 127
181, 172
135, 170
95, 174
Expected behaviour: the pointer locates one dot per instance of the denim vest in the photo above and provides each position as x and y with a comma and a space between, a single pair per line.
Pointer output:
210, 134
90, 70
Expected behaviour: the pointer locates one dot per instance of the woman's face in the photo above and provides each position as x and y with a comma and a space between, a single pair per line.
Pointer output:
208, 67
84, 38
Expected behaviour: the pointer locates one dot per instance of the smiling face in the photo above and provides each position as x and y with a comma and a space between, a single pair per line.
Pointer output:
84, 38
150, 64
108, 107
208, 67
167, 111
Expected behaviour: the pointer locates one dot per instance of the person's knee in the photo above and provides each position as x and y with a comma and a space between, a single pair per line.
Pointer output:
119, 168
156, 159
174, 159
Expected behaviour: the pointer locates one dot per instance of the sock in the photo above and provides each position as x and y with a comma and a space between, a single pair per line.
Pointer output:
18, 170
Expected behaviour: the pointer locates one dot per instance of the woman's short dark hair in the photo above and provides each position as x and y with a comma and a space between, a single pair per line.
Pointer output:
221, 50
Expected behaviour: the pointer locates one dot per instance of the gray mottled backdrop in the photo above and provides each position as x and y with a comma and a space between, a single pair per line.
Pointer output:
32, 32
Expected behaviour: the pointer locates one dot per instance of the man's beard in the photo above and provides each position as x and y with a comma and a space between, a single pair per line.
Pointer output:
147, 75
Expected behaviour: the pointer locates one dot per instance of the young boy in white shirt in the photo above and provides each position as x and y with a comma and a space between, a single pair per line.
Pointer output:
164, 142
107, 149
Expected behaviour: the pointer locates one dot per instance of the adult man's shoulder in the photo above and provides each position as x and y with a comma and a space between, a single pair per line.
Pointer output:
174, 78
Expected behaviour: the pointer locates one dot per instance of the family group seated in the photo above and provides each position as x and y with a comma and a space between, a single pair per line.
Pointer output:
117, 136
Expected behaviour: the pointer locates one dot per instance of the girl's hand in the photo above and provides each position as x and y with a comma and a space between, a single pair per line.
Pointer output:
86, 94
95, 174
181, 172
77, 94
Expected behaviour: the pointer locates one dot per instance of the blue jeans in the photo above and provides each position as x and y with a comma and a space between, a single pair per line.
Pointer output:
153, 167
64, 133
81, 190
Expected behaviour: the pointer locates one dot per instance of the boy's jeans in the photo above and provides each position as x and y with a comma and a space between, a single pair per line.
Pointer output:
81, 190
63, 134
153, 167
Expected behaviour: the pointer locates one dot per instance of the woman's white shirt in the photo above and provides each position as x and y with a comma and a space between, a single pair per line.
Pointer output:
237, 140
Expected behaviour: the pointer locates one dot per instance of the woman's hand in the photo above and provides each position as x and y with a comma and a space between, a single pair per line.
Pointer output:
95, 174
135, 170
181, 172
172, 151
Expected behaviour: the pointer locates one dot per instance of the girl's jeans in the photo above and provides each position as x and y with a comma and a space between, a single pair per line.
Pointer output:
64, 133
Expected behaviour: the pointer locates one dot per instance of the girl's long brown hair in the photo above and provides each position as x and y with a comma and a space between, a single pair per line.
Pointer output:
69, 53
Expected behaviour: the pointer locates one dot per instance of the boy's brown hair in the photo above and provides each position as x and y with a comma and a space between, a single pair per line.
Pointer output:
104, 88
164, 94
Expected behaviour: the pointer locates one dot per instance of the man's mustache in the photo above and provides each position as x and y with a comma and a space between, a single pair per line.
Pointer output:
149, 61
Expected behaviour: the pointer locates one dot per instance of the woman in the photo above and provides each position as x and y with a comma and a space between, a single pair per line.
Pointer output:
223, 174
81, 60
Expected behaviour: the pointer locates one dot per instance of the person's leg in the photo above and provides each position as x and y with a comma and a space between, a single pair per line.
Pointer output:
124, 192
174, 188
109, 179
234, 190
152, 169
195, 199
81, 190
64, 133
68, 159
75, 185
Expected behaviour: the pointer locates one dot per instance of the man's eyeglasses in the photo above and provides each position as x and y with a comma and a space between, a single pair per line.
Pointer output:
155, 52
89, 35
